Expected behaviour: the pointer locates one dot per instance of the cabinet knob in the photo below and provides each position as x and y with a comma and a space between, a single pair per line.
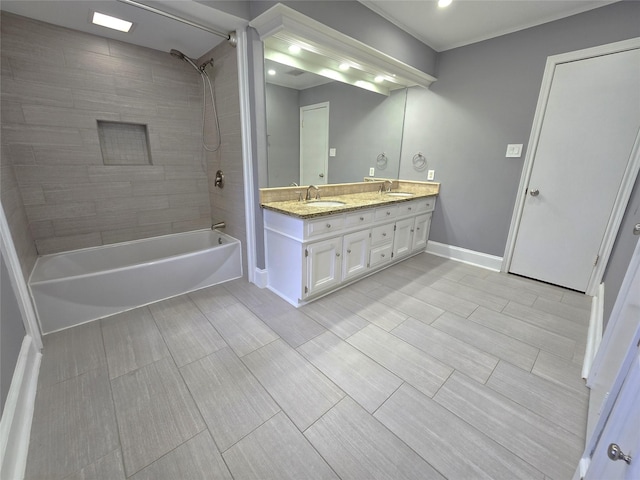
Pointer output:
348, 251
417, 228
408, 208
388, 213
337, 254
412, 230
382, 255
328, 225
384, 234
362, 219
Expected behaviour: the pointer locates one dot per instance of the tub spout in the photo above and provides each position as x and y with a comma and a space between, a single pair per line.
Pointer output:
218, 225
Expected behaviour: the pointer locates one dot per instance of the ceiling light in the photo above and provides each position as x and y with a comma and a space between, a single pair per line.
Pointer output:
444, 3
271, 71
111, 22
294, 48
344, 67
379, 79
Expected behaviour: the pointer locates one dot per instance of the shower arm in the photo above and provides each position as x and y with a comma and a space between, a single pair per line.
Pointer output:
231, 37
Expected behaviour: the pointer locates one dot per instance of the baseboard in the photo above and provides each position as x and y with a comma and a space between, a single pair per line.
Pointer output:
594, 334
15, 426
479, 259
260, 277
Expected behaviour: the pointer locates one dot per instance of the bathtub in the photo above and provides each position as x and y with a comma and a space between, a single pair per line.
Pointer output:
78, 286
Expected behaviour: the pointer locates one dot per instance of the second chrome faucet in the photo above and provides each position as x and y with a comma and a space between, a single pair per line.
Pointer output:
308, 197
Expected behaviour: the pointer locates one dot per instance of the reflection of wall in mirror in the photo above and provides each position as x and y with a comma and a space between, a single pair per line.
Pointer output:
362, 125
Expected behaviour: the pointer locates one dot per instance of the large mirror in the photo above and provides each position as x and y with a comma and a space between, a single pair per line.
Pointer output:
330, 94
364, 128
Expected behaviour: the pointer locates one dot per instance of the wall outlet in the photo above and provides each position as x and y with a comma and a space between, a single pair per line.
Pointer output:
332, 152
372, 172
431, 174
514, 150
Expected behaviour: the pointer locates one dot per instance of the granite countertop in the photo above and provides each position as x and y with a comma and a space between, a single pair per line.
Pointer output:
353, 201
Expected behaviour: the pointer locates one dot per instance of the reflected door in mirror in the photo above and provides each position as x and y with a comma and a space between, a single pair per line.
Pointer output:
314, 144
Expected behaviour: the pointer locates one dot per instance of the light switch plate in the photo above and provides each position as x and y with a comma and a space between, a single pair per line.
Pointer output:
332, 152
514, 150
372, 172
431, 174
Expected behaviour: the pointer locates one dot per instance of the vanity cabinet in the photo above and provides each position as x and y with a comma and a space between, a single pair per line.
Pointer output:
306, 258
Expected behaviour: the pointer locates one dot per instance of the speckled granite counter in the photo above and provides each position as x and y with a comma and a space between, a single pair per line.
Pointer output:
355, 196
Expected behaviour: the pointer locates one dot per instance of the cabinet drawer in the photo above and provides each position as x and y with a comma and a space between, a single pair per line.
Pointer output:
325, 225
425, 205
409, 208
361, 217
388, 212
380, 255
382, 234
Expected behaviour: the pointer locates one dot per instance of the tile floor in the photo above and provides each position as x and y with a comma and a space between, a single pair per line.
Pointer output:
429, 369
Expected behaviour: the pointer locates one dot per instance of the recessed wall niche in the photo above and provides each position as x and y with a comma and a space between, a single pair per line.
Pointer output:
124, 143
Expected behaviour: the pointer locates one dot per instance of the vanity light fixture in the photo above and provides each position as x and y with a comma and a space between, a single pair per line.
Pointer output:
271, 71
444, 3
379, 79
344, 67
294, 49
111, 22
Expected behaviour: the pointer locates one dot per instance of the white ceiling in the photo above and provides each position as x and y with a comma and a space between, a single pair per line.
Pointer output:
469, 21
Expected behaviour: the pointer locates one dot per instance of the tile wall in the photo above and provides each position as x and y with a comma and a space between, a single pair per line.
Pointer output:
56, 84
227, 204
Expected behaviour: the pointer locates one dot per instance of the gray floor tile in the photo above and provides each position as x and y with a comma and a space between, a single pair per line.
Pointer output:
525, 332
487, 300
533, 438
452, 446
448, 349
539, 289
155, 413
421, 370
576, 299
292, 325
333, 316
132, 340
557, 404
253, 297
561, 309
364, 380
187, 332
371, 310
548, 321
276, 451
441, 299
561, 371
108, 467
301, 390
196, 459
70, 353
414, 307
504, 291
357, 446
495, 343
212, 299
73, 426
241, 329
230, 399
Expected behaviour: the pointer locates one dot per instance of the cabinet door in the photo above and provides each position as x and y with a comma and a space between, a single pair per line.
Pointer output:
402, 238
355, 254
421, 232
323, 265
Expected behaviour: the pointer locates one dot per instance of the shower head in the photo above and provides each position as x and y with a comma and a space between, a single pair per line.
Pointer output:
182, 56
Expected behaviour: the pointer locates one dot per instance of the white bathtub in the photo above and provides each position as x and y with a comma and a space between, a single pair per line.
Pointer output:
75, 287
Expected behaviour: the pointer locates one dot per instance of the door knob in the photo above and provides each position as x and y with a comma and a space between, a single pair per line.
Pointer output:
321, 175
636, 229
615, 453
534, 193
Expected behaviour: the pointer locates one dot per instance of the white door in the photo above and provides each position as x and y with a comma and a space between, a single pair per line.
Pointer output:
323, 265
590, 124
623, 430
421, 232
355, 254
314, 144
403, 238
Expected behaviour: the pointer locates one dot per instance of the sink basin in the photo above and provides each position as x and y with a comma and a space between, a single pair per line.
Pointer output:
400, 194
325, 203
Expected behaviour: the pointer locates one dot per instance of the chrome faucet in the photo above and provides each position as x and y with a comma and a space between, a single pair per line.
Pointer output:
388, 189
308, 197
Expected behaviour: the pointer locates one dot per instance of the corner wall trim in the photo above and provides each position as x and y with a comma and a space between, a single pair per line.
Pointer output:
594, 334
260, 277
479, 259
15, 426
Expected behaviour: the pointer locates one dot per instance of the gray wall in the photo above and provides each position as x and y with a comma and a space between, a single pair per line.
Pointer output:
354, 19
484, 99
11, 332
362, 125
283, 134
56, 83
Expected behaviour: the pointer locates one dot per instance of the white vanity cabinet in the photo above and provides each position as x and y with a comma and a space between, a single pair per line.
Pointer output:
306, 258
